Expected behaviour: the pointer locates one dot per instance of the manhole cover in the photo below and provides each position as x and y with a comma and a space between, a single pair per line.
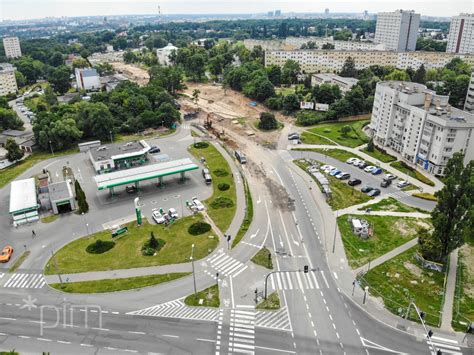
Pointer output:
165, 199
153, 202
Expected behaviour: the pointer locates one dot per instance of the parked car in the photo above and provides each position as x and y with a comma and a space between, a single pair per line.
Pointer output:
374, 192
366, 188
369, 168
131, 189
240, 157
402, 183
293, 135
389, 177
197, 204
208, 179
329, 169
157, 216
311, 169
324, 167
343, 176
205, 171
173, 213
352, 161
386, 183
354, 182
154, 149
377, 171
362, 164
6, 254
335, 172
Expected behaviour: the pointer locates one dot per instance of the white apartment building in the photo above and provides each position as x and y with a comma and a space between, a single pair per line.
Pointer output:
345, 84
397, 30
7, 79
293, 43
469, 103
317, 61
87, 79
12, 47
163, 54
461, 34
420, 126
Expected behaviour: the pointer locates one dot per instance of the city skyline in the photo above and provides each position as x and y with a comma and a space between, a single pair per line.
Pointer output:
29, 9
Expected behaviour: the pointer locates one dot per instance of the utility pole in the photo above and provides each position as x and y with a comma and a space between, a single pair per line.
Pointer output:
111, 139
51, 146
192, 263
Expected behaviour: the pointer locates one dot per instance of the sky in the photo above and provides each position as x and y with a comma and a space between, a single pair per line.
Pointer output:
29, 9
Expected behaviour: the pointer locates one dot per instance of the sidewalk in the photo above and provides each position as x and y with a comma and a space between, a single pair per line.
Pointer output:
447, 315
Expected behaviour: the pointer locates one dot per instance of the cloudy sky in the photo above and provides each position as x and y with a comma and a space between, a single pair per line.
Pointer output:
27, 9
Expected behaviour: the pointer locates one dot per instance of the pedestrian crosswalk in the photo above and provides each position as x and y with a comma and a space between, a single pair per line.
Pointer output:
297, 280
273, 319
226, 265
24, 280
242, 331
185, 126
446, 346
177, 309
1, 275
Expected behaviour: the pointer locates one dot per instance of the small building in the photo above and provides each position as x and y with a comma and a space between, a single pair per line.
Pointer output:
163, 54
61, 197
23, 202
87, 79
24, 139
111, 157
110, 82
8, 83
345, 84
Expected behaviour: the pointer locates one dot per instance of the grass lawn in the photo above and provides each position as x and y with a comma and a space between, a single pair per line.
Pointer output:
425, 196
126, 253
132, 137
285, 90
380, 155
10, 173
388, 233
463, 308
339, 154
412, 172
343, 195
19, 261
50, 218
271, 303
402, 278
261, 258
113, 285
222, 217
244, 227
391, 204
308, 137
332, 131
209, 297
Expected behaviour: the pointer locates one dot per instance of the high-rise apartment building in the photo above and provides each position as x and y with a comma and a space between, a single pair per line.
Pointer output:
469, 103
7, 79
12, 47
397, 30
461, 34
420, 126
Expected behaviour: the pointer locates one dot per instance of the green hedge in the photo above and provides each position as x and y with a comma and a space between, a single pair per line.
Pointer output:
199, 228
223, 186
100, 247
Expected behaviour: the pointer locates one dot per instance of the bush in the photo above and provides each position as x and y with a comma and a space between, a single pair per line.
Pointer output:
146, 251
267, 121
201, 145
222, 202
223, 186
309, 118
221, 172
100, 247
199, 228
152, 245
274, 103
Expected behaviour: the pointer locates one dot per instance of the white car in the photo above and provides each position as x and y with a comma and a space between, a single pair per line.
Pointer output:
389, 177
157, 216
197, 204
369, 169
402, 183
354, 161
329, 169
324, 167
173, 213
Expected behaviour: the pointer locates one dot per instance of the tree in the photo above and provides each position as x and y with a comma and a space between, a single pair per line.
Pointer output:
259, 89
327, 46
420, 75
168, 114
81, 198
345, 130
94, 119
274, 74
9, 119
349, 69
289, 72
56, 59
398, 75
430, 248
80, 63
14, 152
60, 79
152, 242
370, 145
49, 96
267, 121
169, 78
326, 93
290, 103
453, 216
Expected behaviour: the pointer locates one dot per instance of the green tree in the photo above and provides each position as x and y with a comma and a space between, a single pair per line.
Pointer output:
420, 75
49, 96
152, 242
267, 121
453, 216
326, 93
345, 130
169, 78
398, 75
259, 89
20, 79
168, 114
81, 198
60, 79
94, 119
9, 119
348, 69
289, 72
370, 145
274, 74
429, 247
290, 103
14, 152
80, 63
56, 59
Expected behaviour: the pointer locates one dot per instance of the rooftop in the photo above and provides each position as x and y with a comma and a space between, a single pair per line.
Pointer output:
115, 151
60, 191
23, 195
87, 72
6, 67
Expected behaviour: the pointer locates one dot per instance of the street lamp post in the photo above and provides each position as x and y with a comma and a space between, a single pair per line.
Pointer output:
192, 263
366, 289
85, 222
335, 230
111, 139
51, 146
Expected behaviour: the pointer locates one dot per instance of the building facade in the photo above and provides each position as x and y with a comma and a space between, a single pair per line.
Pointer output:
469, 103
163, 54
397, 30
87, 79
461, 34
317, 61
12, 47
420, 126
7, 79
345, 84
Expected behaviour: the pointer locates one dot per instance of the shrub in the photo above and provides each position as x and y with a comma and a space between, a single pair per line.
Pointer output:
199, 228
146, 251
223, 186
221, 172
99, 247
222, 202
152, 245
201, 145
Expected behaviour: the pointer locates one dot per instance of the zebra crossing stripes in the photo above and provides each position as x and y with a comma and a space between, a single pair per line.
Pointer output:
273, 319
295, 281
447, 346
177, 309
242, 331
2, 274
226, 265
21, 280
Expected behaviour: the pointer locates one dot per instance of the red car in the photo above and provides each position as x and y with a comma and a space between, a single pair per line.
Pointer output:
6, 254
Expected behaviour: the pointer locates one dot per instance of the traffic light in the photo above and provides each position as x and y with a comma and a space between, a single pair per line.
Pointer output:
306, 269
